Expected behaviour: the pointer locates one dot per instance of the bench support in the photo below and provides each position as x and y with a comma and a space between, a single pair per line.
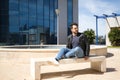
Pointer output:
99, 66
37, 71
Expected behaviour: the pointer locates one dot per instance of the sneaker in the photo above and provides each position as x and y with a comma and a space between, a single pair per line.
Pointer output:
54, 61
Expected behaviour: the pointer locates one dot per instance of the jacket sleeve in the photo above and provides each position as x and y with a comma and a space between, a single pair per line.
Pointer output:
68, 45
87, 46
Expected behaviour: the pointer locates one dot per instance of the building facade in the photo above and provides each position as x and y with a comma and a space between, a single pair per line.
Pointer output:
30, 22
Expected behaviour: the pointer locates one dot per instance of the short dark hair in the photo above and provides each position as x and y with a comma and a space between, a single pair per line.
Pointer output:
71, 25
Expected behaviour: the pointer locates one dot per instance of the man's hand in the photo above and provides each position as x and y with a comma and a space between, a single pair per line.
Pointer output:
86, 57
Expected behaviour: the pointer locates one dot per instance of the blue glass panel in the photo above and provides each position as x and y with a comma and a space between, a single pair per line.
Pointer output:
13, 37
13, 5
47, 19
3, 19
13, 16
56, 7
4, 5
70, 14
23, 13
52, 12
46, 13
40, 13
32, 13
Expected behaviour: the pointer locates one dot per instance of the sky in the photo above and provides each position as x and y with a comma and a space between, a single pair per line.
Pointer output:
88, 8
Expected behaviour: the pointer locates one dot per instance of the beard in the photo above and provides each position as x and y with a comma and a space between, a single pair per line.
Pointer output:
75, 32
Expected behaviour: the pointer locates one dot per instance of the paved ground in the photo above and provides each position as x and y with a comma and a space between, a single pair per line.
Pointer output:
83, 72
15, 69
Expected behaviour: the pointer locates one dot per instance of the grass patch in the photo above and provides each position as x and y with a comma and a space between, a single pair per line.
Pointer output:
113, 46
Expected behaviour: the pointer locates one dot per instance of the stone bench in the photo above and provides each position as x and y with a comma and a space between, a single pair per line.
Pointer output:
97, 62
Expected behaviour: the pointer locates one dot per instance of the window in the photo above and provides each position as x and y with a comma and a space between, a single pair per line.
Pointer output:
13, 16
70, 14
40, 14
32, 13
23, 13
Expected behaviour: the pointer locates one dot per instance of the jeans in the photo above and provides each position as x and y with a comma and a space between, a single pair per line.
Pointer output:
67, 53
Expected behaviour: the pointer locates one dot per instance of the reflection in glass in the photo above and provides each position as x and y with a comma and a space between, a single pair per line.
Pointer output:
30, 21
70, 14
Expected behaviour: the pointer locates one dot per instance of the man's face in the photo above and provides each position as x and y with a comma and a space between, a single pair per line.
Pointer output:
74, 29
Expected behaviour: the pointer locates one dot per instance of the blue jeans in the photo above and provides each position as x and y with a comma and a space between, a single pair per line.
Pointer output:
67, 53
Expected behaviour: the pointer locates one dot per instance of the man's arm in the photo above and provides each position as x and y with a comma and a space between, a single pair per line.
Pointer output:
68, 45
87, 47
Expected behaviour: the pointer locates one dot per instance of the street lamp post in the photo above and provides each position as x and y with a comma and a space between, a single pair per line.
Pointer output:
57, 13
97, 17
96, 29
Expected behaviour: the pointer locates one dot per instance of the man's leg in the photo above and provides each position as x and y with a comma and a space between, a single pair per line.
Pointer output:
62, 53
77, 52
59, 56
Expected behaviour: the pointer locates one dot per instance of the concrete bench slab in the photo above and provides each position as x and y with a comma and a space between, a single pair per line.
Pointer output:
97, 62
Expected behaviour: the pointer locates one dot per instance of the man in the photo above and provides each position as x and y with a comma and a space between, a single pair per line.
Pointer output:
77, 46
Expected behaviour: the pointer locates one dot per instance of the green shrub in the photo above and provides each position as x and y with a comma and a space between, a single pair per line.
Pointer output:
114, 36
90, 35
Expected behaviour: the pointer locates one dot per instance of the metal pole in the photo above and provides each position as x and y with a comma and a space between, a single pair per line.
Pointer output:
116, 19
58, 29
107, 22
28, 37
57, 13
96, 30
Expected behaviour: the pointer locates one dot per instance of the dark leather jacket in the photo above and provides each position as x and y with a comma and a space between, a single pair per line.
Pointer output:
83, 43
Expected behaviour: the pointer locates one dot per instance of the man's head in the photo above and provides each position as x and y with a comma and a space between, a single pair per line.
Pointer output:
74, 28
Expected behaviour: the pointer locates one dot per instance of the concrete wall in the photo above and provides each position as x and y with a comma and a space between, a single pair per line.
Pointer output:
107, 31
75, 11
63, 28
62, 6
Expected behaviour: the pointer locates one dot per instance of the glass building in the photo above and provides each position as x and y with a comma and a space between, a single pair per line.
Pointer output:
30, 22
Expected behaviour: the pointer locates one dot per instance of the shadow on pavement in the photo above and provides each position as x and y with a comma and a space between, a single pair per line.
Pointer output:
70, 74
111, 70
109, 55
73, 73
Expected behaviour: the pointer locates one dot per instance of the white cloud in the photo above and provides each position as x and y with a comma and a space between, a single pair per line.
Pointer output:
86, 22
98, 7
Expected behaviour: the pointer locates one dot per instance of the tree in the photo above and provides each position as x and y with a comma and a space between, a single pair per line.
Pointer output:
90, 35
114, 36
